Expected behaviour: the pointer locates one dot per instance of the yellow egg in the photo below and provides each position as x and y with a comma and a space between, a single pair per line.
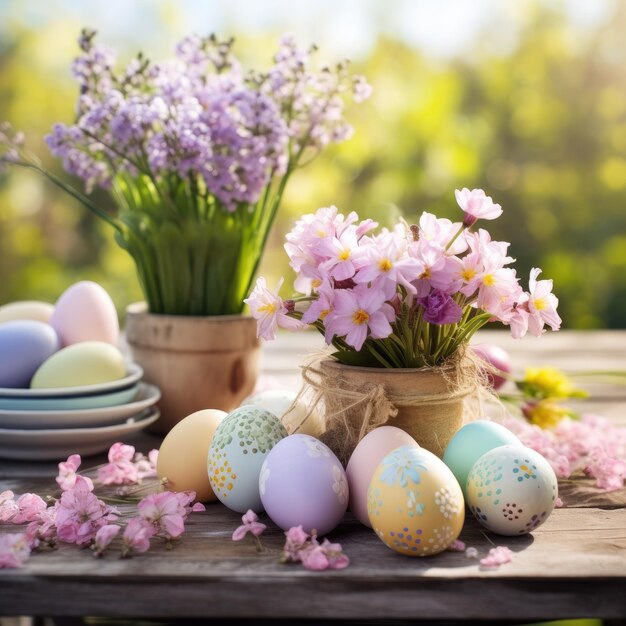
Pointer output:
183, 454
87, 363
414, 502
26, 310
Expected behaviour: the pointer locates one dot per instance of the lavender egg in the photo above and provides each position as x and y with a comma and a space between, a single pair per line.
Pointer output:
24, 346
303, 483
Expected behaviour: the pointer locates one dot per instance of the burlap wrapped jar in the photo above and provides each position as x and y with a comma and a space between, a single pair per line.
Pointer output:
430, 404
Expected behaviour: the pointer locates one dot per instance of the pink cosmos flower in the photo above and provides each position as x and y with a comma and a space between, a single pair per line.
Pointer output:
476, 205
496, 557
104, 537
137, 535
29, 506
14, 550
542, 304
270, 311
80, 514
358, 311
389, 264
250, 524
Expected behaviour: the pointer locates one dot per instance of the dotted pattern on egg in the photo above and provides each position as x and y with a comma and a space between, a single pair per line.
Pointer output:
402, 469
487, 475
256, 434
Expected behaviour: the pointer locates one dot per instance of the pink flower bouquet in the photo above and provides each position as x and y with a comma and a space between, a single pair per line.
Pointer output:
407, 297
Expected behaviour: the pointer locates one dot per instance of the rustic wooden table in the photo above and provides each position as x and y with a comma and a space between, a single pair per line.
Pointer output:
572, 566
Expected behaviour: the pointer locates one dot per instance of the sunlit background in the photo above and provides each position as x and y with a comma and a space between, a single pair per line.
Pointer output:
525, 99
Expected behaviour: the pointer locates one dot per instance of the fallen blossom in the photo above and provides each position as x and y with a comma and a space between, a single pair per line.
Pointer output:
67, 476
80, 514
300, 547
104, 537
14, 550
137, 535
146, 465
250, 524
167, 511
120, 470
296, 538
8, 506
496, 557
559, 504
471, 553
29, 506
456, 546
592, 444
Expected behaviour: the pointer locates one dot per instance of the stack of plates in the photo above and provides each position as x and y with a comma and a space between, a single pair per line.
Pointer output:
51, 424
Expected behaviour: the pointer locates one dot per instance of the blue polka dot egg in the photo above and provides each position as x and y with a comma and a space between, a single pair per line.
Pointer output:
511, 490
414, 502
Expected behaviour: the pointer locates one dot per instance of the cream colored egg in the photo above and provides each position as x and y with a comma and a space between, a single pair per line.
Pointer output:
414, 503
296, 418
183, 454
26, 310
87, 363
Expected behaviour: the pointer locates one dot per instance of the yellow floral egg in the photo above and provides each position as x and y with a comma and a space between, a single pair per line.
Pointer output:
414, 502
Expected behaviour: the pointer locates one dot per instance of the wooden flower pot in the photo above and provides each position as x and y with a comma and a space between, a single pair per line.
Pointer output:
197, 362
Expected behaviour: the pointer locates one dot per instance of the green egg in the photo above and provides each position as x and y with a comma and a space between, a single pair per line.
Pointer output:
86, 363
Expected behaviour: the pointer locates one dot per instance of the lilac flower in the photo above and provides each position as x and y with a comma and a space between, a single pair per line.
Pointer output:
440, 308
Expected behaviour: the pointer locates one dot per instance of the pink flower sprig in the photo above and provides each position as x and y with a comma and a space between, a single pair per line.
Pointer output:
80, 517
250, 524
127, 467
300, 547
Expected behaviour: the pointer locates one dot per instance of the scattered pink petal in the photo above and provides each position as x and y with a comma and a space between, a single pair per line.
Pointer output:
559, 504
457, 546
296, 538
496, 557
250, 525
471, 553
30, 506
67, 472
137, 535
14, 550
313, 557
104, 537
198, 507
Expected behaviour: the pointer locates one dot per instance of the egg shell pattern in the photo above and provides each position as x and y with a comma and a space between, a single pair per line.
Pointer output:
239, 447
85, 312
24, 346
511, 490
303, 483
471, 442
370, 451
414, 503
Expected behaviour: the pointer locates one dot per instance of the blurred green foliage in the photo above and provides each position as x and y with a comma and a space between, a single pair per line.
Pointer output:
541, 127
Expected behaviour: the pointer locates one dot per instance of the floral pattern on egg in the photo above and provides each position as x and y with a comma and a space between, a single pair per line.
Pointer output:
511, 490
415, 504
238, 450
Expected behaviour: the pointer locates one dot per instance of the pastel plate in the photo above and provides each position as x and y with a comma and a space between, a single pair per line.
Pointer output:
145, 396
133, 374
114, 398
57, 445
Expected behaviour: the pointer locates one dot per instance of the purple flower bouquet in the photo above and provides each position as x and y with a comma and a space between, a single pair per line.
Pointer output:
196, 154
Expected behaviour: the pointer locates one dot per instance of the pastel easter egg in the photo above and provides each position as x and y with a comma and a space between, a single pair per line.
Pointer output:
303, 483
414, 503
498, 359
295, 417
471, 442
240, 445
87, 363
511, 490
183, 454
24, 346
26, 310
366, 457
85, 312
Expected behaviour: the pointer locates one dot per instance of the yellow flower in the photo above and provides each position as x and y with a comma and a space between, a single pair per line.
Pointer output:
544, 413
549, 382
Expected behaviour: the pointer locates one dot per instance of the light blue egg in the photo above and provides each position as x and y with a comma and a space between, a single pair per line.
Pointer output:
471, 442
240, 444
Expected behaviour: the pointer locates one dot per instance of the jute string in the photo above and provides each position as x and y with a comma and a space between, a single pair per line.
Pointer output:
351, 402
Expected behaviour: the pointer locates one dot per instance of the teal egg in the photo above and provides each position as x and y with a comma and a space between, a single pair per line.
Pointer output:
471, 442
